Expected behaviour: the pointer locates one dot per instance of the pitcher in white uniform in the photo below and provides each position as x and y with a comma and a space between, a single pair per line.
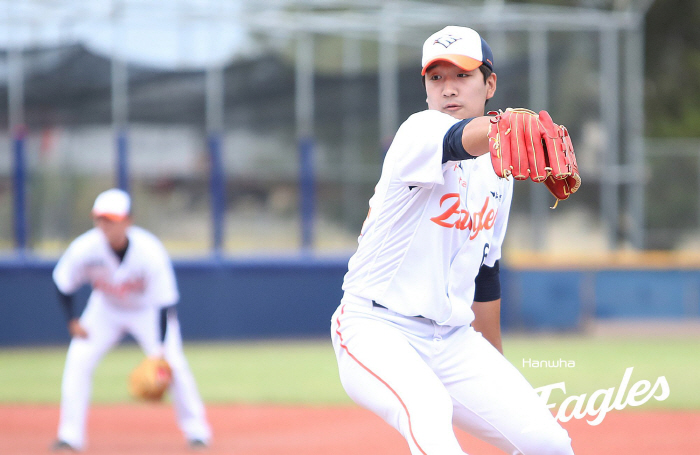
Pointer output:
133, 291
417, 333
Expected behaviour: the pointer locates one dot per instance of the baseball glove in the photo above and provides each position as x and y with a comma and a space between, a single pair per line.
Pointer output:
527, 145
150, 379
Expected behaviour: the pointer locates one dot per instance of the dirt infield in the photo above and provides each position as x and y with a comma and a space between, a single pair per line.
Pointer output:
267, 430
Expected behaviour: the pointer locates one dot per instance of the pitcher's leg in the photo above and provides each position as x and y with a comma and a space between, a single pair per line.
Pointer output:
381, 371
496, 403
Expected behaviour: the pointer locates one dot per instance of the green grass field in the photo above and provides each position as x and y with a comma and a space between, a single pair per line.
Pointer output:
305, 372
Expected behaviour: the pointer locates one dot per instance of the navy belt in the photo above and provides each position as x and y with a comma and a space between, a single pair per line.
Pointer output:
375, 304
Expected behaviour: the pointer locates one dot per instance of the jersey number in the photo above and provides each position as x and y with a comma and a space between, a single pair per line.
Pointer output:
486, 253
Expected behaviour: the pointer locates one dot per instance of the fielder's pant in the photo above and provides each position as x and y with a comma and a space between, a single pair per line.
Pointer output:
421, 378
106, 326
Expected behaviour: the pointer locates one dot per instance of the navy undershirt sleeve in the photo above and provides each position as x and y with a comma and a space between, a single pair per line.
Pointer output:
488, 283
452, 148
66, 301
164, 320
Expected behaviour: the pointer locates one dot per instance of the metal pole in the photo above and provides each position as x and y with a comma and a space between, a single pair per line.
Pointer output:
18, 136
388, 76
610, 114
539, 100
123, 159
304, 110
215, 126
352, 65
634, 103
120, 109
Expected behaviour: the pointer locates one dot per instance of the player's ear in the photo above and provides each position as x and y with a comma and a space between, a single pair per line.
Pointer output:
491, 85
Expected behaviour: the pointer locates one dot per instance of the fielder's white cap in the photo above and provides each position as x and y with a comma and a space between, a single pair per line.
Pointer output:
460, 46
114, 204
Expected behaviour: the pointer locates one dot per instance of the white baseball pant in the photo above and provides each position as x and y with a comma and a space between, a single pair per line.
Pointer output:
106, 326
422, 378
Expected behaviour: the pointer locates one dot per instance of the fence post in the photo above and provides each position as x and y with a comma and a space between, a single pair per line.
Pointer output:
304, 103
120, 115
18, 133
20, 188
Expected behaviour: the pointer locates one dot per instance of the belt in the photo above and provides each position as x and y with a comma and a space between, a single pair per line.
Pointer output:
376, 305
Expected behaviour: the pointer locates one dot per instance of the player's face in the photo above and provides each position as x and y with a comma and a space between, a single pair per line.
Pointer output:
114, 230
459, 93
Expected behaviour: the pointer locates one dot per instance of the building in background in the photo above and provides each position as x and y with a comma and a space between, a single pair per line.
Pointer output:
250, 127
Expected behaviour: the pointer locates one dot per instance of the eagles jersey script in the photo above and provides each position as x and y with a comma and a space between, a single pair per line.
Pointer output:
144, 277
430, 227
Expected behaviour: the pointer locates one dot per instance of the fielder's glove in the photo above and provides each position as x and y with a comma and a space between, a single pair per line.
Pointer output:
526, 145
150, 379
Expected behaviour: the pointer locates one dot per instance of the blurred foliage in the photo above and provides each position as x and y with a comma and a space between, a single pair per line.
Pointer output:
674, 200
673, 68
672, 64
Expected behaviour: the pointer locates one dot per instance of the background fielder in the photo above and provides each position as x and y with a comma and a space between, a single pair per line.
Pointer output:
425, 276
133, 291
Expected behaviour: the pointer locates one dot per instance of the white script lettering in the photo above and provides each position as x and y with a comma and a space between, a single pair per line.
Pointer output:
601, 401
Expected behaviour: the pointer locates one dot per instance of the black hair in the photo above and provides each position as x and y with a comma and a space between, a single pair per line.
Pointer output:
486, 71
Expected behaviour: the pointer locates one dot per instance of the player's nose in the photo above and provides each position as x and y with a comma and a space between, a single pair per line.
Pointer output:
449, 89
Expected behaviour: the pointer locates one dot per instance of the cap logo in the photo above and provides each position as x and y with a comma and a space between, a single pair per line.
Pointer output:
446, 41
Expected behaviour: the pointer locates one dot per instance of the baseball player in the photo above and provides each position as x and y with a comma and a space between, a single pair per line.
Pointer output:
133, 291
417, 332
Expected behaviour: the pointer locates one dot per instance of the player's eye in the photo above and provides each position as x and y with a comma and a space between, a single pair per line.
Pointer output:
463, 75
435, 77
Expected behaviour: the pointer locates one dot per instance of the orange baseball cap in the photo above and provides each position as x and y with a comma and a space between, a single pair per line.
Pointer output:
460, 46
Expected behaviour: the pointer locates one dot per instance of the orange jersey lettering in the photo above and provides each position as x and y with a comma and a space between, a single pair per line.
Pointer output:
456, 217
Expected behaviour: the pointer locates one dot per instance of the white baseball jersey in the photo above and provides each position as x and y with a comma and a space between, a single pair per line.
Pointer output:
430, 227
145, 276
127, 297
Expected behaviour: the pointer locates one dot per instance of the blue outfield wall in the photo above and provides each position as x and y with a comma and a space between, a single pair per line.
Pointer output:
219, 299
295, 297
